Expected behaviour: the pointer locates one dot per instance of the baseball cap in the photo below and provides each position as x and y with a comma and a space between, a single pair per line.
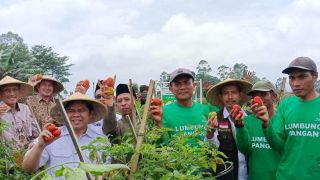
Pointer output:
179, 72
265, 86
303, 63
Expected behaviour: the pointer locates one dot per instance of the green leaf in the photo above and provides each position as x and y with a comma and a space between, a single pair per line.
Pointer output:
99, 169
74, 174
59, 172
214, 167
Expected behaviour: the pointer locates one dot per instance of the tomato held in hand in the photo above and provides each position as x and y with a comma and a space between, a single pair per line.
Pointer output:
38, 77
257, 100
56, 133
236, 108
48, 139
109, 82
86, 84
51, 127
156, 102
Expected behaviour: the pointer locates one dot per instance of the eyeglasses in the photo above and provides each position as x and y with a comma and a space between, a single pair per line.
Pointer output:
99, 96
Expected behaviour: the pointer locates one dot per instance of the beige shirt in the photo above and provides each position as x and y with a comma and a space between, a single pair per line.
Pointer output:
40, 108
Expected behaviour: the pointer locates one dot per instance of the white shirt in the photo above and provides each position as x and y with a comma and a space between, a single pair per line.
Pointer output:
242, 171
62, 150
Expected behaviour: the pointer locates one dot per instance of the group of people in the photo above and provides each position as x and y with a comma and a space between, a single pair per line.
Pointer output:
268, 141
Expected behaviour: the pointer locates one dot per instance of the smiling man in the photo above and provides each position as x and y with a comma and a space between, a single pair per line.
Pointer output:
21, 127
41, 103
295, 132
184, 115
81, 110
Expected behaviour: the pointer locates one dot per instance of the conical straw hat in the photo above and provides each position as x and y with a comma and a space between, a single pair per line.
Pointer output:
25, 88
58, 86
213, 92
99, 110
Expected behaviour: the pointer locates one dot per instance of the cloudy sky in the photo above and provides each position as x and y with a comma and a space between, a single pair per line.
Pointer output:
139, 39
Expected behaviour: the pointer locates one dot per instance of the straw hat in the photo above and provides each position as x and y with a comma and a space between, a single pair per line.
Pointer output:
213, 92
25, 88
99, 110
58, 87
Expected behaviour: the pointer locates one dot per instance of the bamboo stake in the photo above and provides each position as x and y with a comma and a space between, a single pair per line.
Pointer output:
282, 87
133, 130
135, 157
135, 111
71, 131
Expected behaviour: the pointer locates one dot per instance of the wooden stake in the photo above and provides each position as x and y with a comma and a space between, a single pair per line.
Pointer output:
133, 104
70, 130
133, 130
282, 87
135, 157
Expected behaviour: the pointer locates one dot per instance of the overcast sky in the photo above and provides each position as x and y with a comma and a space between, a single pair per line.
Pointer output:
139, 39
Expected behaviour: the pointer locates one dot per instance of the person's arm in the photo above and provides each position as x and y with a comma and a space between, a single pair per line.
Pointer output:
272, 129
274, 133
243, 140
109, 126
31, 160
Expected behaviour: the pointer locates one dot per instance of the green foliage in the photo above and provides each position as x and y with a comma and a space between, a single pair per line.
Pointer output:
9, 169
204, 70
50, 62
318, 86
18, 62
80, 171
164, 77
175, 160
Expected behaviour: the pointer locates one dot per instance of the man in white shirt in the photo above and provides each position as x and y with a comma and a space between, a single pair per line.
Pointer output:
226, 94
81, 110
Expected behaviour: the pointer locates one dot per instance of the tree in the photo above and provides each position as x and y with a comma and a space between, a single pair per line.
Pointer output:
237, 71
164, 77
135, 87
24, 63
204, 70
223, 72
318, 86
20, 66
50, 62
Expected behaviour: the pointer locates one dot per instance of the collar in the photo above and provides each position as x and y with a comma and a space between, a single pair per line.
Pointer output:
39, 98
10, 109
226, 113
90, 132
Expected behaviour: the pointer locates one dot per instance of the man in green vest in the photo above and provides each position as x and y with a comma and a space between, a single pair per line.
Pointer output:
226, 94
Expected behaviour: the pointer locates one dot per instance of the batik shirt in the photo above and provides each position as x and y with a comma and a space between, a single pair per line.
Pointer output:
21, 127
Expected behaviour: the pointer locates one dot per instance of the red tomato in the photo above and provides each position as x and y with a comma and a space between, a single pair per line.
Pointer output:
236, 108
156, 102
51, 127
86, 84
56, 133
257, 100
109, 82
48, 139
